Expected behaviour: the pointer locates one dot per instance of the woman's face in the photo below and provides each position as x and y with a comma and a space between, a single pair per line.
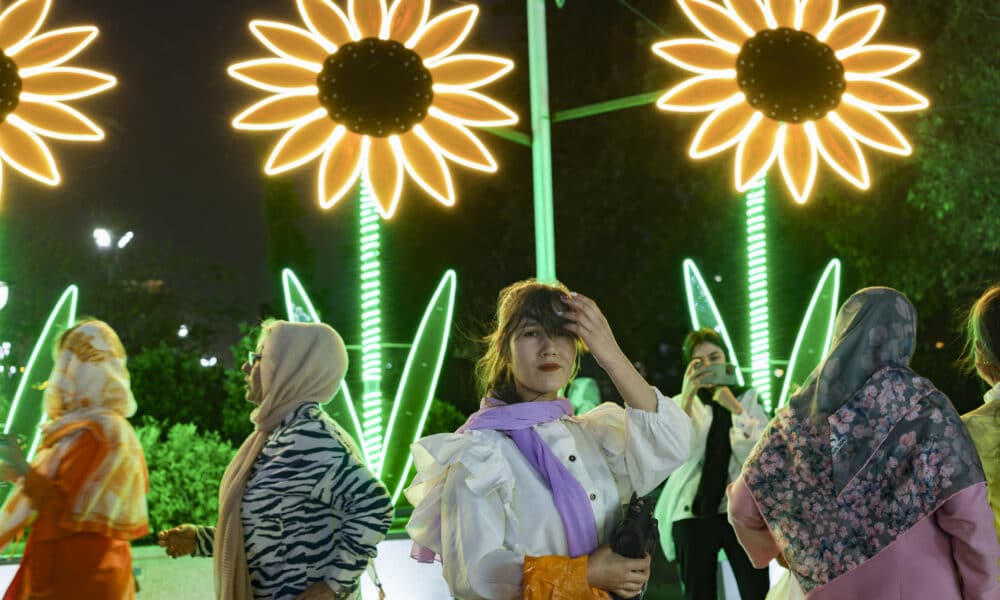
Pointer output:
251, 368
541, 365
708, 354
986, 369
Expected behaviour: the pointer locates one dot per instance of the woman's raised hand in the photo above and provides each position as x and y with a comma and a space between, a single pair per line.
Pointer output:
179, 541
586, 320
624, 577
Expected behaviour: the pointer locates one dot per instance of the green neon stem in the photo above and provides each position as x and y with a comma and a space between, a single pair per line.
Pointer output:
541, 147
760, 328
705, 313
26, 410
371, 328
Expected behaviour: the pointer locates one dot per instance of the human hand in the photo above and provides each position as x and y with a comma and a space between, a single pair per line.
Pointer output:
12, 459
179, 541
694, 376
586, 321
317, 591
617, 574
724, 396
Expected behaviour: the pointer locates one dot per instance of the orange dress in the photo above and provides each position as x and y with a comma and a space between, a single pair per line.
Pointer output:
61, 563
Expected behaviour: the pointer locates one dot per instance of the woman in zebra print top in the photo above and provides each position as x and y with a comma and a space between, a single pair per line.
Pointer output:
300, 514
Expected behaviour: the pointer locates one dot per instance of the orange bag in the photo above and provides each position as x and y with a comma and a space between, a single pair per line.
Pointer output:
558, 578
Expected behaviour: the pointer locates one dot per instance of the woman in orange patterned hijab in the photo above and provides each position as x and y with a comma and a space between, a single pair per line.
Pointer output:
84, 493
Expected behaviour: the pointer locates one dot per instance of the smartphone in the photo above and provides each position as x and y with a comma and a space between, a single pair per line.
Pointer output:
720, 374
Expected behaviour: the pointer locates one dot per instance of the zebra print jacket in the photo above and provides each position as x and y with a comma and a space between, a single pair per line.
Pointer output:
312, 510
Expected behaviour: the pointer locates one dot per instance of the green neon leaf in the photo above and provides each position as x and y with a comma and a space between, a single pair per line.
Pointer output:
26, 411
417, 386
300, 309
816, 331
704, 312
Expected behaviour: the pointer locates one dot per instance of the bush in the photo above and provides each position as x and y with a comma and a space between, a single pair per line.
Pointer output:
185, 468
443, 417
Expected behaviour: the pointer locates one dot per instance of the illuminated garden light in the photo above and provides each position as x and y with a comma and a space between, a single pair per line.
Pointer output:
790, 81
183, 331
35, 86
102, 237
371, 328
125, 239
26, 412
760, 343
209, 361
374, 92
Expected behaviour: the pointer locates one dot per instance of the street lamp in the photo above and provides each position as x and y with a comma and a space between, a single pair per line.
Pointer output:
102, 237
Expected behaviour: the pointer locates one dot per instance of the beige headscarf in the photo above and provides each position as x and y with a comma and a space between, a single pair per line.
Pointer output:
300, 362
89, 390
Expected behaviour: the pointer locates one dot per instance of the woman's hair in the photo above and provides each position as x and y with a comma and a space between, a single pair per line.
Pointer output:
701, 336
519, 302
982, 329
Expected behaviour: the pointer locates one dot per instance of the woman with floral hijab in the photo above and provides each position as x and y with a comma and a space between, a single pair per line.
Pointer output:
867, 484
84, 494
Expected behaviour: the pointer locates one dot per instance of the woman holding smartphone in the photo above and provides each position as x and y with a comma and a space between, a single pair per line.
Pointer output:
692, 509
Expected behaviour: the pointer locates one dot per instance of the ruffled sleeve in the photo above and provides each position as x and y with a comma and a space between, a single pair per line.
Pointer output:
641, 445
462, 494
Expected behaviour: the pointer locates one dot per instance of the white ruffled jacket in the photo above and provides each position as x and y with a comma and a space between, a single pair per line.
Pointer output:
482, 507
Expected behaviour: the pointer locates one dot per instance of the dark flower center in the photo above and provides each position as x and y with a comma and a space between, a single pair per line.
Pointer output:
375, 87
789, 75
10, 86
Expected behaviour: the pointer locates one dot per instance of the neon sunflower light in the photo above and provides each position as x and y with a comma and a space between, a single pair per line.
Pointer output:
790, 81
374, 92
34, 86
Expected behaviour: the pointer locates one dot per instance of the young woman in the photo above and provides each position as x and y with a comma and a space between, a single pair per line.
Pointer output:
867, 483
983, 333
84, 494
520, 503
300, 515
692, 508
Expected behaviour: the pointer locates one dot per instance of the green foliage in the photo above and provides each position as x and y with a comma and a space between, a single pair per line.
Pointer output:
443, 417
171, 386
185, 468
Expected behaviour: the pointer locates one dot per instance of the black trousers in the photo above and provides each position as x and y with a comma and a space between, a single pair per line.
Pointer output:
698, 542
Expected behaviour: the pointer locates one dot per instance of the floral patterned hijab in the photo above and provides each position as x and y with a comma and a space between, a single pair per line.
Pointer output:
864, 451
89, 391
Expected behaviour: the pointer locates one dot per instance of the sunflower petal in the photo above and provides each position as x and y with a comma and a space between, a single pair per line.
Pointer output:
295, 44
278, 112
53, 48
406, 17
470, 71
817, 14
876, 60
853, 28
326, 20
471, 108
426, 166
785, 12
65, 83
368, 16
799, 161
885, 95
722, 129
446, 32
716, 22
56, 120
384, 172
275, 75
341, 165
700, 94
757, 150
20, 21
22, 149
840, 150
696, 55
301, 144
751, 13
872, 129
456, 142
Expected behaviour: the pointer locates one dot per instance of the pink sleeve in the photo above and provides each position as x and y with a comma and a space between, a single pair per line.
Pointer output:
751, 529
968, 519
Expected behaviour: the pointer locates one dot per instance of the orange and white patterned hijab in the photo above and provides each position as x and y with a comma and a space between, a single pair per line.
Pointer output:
89, 390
